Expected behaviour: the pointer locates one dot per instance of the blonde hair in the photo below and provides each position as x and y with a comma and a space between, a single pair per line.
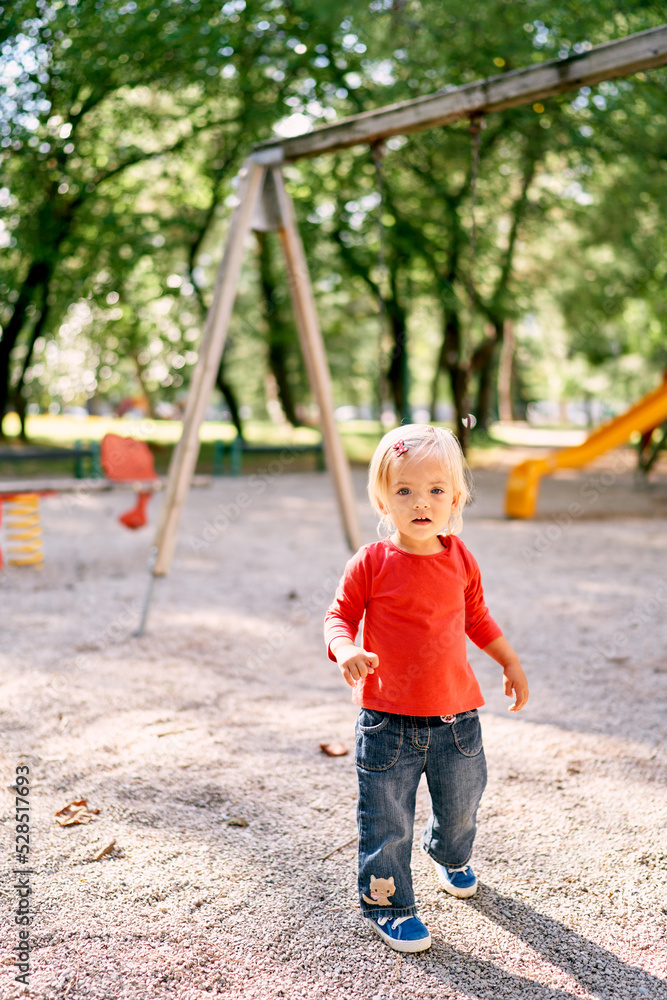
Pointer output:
422, 441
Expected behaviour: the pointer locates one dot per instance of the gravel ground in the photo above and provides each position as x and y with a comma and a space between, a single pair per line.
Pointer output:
233, 869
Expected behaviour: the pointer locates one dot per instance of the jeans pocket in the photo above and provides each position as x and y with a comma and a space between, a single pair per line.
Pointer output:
378, 739
467, 733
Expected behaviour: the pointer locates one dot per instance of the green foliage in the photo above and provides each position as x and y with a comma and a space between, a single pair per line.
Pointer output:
124, 124
123, 127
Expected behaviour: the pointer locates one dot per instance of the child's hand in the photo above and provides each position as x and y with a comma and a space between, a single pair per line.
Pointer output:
355, 663
515, 680
515, 683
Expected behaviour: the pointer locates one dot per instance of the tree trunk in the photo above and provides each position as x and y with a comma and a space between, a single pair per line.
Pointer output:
440, 366
20, 406
458, 379
393, 309
520, 396
281, 334
230, 398
484, 358
223, 385
397, 372
38, 277
151, 396
484, 361
458, 372
459, 375
20, 401
505, 373
54, 220
485, 394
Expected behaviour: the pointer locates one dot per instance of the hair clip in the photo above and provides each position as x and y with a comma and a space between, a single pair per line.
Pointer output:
400, 447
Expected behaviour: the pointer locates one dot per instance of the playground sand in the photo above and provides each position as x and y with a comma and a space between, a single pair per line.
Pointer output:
233, 869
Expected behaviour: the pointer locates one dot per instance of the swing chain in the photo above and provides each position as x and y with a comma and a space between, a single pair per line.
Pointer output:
475, 128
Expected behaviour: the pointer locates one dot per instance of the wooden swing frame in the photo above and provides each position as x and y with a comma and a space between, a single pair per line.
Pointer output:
265, 205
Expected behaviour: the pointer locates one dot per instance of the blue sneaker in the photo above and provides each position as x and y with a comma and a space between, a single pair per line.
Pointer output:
402, 933
460, 882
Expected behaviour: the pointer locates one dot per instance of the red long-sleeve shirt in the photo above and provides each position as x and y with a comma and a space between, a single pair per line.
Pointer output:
419, 609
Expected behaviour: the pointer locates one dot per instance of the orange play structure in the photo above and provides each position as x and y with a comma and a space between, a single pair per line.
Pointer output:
23, 530
125, 460
523, 482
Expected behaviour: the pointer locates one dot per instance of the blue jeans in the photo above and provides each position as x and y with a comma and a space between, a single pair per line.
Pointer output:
392, 751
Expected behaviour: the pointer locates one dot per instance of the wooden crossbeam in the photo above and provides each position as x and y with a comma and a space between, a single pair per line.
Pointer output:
619, 58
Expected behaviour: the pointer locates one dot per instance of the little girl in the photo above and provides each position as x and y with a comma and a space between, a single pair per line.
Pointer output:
421, 594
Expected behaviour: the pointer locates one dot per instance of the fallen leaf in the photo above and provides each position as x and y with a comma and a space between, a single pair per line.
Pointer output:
236, 821
76, 812
105, 850
334, 749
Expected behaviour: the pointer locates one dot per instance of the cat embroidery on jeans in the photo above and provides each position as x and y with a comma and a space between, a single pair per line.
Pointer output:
381, 889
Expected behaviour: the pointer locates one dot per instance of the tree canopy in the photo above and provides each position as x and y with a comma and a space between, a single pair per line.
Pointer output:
123, 127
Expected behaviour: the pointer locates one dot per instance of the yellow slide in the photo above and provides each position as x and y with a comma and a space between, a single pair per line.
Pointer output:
523, 482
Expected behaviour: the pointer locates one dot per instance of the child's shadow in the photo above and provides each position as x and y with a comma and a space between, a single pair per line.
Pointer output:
598, 971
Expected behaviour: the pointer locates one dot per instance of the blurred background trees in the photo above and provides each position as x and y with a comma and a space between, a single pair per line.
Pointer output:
123, 126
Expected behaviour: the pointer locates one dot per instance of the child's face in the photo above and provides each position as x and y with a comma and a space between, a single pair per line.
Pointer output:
420, 501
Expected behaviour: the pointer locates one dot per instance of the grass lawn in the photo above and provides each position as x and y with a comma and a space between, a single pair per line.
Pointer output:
360, 438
